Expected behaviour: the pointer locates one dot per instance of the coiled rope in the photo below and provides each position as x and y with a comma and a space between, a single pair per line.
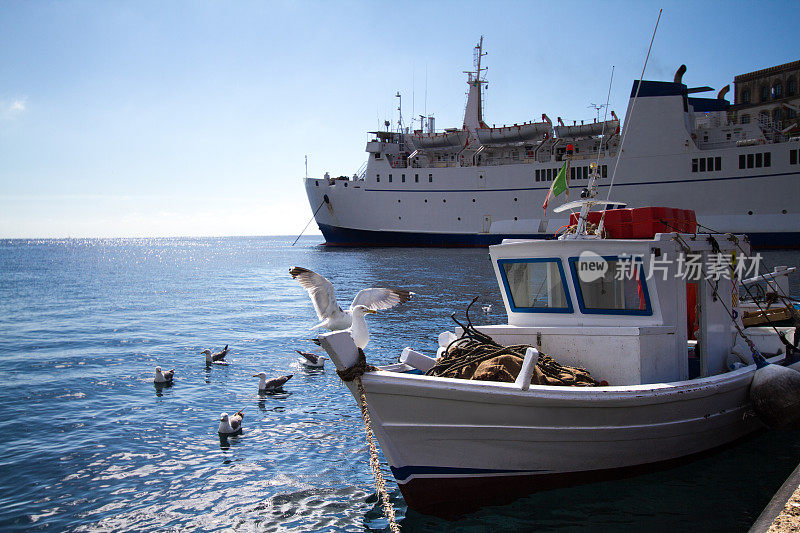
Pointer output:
474, 347
354, 373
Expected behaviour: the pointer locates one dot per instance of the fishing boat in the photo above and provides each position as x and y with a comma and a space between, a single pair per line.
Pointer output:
667, 352
473, 185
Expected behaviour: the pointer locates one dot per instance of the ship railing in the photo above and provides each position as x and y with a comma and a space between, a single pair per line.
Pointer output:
361, 173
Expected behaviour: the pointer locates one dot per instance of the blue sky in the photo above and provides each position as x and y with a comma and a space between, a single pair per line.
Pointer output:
123, 119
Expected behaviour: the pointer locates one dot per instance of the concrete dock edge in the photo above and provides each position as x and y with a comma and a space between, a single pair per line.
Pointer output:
777, 504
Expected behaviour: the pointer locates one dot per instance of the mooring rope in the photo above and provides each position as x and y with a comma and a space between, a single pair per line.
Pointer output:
354, 373
309, 222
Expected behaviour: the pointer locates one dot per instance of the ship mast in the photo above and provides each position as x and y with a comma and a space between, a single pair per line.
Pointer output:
473, 114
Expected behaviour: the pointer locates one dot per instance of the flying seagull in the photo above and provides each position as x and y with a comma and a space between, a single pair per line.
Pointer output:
163, 377
273, 384
312, 359
328, 311
218, 357
230, 425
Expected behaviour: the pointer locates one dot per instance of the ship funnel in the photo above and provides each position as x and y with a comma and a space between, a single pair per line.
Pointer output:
722, 92
679, 74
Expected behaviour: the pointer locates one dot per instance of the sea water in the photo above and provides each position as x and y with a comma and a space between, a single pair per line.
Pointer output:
88, 441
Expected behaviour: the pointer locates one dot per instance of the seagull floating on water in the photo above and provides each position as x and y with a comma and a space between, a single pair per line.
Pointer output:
328, 311
230, 425
218, 357
163, 377
487, 308
312, 359
273, 384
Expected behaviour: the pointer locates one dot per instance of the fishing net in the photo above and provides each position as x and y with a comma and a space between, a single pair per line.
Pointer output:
477, 356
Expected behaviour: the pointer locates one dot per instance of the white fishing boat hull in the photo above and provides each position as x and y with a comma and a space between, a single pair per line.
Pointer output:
453, 444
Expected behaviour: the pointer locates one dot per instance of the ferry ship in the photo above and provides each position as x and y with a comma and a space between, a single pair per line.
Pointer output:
479, 184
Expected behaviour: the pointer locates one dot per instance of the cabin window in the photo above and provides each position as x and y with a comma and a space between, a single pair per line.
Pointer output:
718, 163
759, 159
378, 178
430, 178
377, 156
694, 165
537, 175
605, 171
793, 157
416, 178
741, 161
535, 285
572, 173
390, 178
605, 293
702, 164
403, 178
549, 174
750, 160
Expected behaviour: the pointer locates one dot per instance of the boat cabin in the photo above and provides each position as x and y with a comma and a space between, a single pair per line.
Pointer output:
630, 311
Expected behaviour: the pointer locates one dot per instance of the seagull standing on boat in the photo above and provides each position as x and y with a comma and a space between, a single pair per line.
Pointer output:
359, 330
312, 359
230, 425
218, 357
328, 311
163, 377
268, 385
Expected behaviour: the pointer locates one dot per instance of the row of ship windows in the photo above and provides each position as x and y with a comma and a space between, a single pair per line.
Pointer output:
403, 178
707, 164
576, 173
755, 160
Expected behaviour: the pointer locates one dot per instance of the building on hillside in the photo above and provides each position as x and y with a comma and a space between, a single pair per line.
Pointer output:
771, 97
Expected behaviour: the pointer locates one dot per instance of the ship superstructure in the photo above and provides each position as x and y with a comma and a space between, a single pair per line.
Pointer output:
478, 184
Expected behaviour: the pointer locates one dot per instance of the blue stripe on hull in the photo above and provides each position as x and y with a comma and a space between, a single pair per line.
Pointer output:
335, 236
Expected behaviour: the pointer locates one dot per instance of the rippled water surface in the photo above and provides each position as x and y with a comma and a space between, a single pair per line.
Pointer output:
90, 443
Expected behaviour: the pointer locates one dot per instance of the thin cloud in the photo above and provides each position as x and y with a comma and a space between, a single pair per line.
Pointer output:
13, 108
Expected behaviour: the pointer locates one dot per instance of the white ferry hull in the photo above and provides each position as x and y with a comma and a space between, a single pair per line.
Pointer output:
762, 203
674, 151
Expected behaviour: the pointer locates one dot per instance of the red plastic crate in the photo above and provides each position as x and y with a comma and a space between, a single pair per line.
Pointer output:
643, 222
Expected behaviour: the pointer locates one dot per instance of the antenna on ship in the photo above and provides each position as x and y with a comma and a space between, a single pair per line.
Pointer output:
586, 202
599, 107
627, 125
400, 112
306, 166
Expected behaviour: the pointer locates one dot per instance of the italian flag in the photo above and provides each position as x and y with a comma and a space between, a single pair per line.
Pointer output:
560, 184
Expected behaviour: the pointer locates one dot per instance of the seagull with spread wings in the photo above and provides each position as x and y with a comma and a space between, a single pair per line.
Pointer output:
328, 311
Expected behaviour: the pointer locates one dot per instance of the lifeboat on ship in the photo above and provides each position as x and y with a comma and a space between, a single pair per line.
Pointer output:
449, 139
511, 134
587, 130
